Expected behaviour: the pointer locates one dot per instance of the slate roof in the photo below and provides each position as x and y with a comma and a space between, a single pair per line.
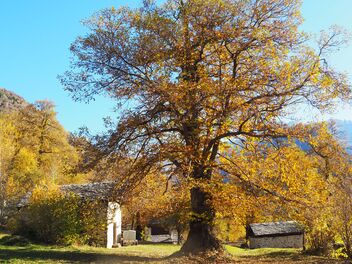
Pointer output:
87, 191
275, 229
91, 191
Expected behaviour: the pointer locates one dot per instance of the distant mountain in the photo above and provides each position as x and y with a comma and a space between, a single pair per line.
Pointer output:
344, 129
10, 101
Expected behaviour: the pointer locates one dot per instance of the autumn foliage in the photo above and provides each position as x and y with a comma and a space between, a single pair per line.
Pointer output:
203, 76
205, 91
61, 218
34, 151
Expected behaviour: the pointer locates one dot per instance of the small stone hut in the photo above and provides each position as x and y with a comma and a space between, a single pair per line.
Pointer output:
158, 233
287, 234
103, 192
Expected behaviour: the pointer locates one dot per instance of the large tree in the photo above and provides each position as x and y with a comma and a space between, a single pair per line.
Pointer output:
34, 149
199, 74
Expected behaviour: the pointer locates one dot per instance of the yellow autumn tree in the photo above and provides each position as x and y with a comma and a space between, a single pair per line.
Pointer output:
41, 133
198, 75
7, 150
330, 221
34, 150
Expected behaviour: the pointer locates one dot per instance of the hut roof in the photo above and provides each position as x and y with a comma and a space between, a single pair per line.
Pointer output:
87, 191
91, 191
275, 229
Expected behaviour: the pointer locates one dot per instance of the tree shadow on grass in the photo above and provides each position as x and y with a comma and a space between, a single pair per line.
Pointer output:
28, 254
283, 254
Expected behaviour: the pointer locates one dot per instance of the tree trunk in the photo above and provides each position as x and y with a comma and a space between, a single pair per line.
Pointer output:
201, 236
179, 234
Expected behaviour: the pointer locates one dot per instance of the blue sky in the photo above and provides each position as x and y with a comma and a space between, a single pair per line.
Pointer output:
35, 36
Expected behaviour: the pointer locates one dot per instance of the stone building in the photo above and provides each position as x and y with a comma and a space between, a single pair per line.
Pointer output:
157, 235
287, 234
108, 206
157, 232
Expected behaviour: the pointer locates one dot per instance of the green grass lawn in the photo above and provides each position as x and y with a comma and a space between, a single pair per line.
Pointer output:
155, 253
35, 253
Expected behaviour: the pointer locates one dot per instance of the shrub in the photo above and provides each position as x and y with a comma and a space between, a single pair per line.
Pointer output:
57, 218
321, 235
93, 222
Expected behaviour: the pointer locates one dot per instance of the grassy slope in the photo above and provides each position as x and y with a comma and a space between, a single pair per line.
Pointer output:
158, 253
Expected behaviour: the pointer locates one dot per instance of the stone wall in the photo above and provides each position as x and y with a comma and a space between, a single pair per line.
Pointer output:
172, 237
291, 241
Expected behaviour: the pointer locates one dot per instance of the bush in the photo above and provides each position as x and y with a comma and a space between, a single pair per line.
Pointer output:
57, 218
321, 236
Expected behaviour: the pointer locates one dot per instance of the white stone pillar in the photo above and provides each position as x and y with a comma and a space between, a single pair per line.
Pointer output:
113, 224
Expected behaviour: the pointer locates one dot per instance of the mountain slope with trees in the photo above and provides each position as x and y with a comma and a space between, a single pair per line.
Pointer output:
10, 101
35, 149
